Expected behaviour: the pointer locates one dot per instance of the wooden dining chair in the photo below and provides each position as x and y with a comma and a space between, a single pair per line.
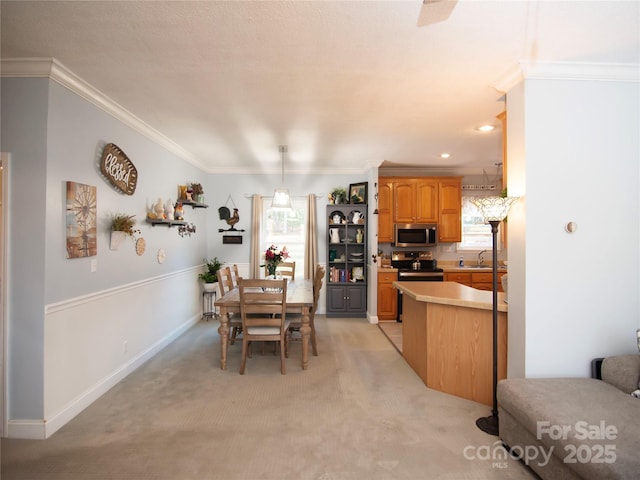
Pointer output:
286, 269
236, 274
225, 283
296, 319
263, 310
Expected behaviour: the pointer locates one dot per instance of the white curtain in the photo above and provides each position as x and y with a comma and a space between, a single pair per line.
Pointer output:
255, 257
311, 239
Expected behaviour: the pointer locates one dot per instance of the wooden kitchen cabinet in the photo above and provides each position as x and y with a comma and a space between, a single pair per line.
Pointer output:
387, 296
503, 226
420, 200
479, 280
450, 210
463, 278
484, 281
415, 200
404, 201
385, 210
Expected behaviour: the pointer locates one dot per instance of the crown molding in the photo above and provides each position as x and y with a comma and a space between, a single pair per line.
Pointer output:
56, 71
530, 70
415, 171
53, 69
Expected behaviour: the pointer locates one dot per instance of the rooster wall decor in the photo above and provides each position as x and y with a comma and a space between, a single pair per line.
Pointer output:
231, 219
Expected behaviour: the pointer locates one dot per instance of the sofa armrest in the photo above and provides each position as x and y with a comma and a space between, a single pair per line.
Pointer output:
622, 371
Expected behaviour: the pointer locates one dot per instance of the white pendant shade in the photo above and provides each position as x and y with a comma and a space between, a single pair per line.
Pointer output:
281, 198
494, 208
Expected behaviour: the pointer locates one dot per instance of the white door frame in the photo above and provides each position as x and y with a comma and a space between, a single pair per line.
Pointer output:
4, 211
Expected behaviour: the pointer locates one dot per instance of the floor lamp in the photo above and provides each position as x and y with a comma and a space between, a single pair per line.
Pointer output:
494, 210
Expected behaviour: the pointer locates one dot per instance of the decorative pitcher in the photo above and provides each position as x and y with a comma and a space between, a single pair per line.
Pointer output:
334, 235
357, 216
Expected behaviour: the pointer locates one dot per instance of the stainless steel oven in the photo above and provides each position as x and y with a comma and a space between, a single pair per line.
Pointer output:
415, 267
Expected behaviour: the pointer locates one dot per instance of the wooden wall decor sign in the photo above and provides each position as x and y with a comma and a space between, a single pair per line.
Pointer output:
232, 239
118, 169
81, 203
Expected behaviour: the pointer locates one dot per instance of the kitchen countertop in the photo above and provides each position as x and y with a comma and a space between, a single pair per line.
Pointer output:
387, 269
451, 293
451, 269
474, 269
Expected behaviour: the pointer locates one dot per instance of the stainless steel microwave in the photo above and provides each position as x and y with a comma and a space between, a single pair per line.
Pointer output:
416, 234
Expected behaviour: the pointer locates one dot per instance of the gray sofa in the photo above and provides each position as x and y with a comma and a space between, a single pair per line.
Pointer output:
575, 428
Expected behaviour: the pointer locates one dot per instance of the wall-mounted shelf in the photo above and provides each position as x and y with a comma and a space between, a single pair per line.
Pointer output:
193, 204
168, 223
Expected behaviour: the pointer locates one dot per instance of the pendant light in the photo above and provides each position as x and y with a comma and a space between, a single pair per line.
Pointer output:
281, 198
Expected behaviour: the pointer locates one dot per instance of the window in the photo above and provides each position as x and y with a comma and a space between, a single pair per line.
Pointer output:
286, 228
476, 235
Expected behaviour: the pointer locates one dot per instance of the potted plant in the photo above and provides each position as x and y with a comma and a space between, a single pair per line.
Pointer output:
197, 192
339, 195
210, 275
122, 226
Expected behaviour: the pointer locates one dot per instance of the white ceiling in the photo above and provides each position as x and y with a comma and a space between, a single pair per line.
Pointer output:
343, 84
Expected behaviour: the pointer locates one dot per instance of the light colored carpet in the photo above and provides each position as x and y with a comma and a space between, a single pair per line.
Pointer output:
359, 412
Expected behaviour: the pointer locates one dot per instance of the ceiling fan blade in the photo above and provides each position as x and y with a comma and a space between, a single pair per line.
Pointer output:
435, 11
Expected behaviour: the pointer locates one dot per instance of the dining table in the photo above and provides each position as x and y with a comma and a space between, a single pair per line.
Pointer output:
299, 300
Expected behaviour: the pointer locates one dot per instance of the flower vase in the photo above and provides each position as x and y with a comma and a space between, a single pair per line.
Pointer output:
271, 269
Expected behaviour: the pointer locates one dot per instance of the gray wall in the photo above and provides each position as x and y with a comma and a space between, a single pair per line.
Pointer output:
24, 134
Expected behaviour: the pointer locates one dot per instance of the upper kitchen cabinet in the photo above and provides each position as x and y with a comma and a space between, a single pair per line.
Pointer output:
385, 210
450, 210
420, 200
415, 200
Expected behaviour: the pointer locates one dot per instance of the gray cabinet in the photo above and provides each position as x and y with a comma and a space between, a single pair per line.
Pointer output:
347, 260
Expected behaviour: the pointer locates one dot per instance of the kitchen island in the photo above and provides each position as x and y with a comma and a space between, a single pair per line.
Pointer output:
447, 337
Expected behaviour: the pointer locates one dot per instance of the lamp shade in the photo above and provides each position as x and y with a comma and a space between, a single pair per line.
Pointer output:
281, 198
494, 208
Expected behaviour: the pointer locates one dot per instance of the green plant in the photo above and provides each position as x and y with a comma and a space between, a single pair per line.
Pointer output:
211, 274
197, 188
121, 222
339, 195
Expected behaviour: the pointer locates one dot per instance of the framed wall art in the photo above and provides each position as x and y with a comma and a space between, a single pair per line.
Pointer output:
81, 220
358, 192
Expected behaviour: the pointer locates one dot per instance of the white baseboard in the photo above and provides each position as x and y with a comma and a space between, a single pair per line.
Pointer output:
42, 429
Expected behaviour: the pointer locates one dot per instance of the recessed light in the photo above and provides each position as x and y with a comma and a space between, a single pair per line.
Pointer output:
486, 128
445, 155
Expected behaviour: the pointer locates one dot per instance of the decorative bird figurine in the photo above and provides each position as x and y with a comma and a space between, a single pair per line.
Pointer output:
225, 214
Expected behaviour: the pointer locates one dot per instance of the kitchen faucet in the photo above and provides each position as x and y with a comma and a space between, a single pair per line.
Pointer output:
480, 259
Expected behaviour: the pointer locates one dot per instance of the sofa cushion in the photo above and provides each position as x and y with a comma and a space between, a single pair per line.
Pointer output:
562, 403
622, 371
